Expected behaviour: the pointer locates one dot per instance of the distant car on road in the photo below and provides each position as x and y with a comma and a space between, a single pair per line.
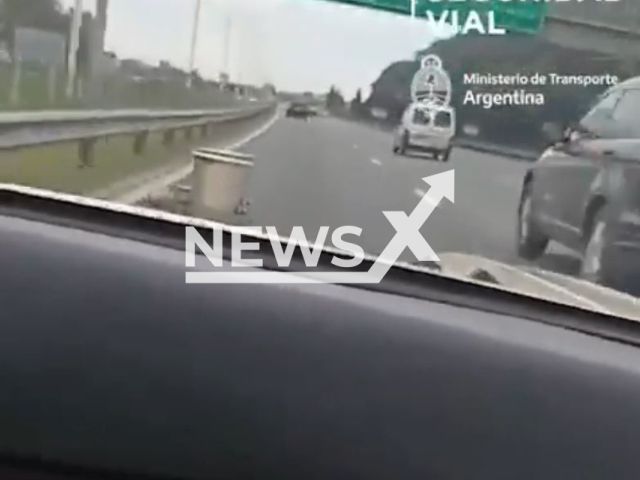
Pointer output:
300, 110
427, 129
584, 192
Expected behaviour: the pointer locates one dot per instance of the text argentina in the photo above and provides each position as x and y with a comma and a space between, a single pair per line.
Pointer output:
490, 100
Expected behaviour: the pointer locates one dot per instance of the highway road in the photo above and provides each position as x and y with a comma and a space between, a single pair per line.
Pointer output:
332, 172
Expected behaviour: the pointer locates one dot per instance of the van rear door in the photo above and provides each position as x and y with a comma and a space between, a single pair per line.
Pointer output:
444, 123
420, 122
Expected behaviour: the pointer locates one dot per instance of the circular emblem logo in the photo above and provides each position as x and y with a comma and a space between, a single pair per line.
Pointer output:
431, 84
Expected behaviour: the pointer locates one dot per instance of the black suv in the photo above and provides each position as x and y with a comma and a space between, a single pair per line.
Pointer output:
584, 192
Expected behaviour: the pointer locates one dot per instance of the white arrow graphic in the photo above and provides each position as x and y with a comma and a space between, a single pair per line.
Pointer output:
407, 236
408, 227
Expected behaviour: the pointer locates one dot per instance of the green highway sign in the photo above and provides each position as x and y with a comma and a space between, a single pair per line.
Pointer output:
398, 6
527, 17
516, 16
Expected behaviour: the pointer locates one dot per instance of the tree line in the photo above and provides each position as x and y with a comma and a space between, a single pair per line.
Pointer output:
41, 14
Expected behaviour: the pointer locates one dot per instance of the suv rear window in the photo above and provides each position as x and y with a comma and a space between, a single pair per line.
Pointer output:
627, 115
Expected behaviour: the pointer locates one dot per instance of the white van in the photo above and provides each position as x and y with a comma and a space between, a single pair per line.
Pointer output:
428, 129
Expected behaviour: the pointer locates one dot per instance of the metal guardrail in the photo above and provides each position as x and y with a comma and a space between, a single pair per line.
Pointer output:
29, 129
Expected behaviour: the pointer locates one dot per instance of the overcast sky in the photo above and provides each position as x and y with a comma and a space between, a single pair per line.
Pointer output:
295, 44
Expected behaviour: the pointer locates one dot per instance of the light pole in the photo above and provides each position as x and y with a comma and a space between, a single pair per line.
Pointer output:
74, 44
194, 43
227, 45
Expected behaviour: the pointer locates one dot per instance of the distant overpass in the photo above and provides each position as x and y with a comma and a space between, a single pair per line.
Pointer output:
609, 28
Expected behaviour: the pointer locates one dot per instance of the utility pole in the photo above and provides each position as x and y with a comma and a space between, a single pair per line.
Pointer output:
74, 44
98, 36
227, 46
194, 43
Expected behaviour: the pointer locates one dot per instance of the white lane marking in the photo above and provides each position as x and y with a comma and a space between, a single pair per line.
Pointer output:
160, 180
377, 162
561, 290
492, 266
252, 136
590, 286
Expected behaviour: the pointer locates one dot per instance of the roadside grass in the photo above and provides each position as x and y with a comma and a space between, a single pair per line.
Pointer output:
57, 167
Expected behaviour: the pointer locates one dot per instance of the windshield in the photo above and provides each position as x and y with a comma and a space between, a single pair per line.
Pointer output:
308, 108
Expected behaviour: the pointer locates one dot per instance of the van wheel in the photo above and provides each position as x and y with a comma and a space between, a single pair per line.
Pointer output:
444, 156
532, 243
396, 147
404, 143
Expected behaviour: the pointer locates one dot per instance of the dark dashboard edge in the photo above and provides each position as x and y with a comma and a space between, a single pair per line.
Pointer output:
56, 469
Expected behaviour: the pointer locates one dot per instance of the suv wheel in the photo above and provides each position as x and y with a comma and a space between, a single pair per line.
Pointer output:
593, 267
532, 243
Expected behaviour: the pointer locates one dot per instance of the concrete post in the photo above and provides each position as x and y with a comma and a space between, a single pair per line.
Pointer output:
87, 152
16, 80
140, 142
168, 137
52, 83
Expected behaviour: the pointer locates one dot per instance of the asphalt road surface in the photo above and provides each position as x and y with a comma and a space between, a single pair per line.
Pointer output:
332, 172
